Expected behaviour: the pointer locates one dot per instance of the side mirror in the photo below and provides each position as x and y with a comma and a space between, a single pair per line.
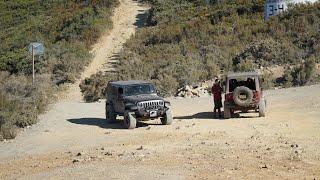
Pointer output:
158, 92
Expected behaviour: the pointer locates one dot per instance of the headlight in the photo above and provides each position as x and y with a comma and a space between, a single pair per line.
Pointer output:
161, 103
139, 104
167, 104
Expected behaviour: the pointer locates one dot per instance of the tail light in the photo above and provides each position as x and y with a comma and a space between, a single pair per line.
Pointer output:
256, 96
229, 97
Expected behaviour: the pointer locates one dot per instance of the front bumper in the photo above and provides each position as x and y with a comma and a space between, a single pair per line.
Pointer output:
151, 114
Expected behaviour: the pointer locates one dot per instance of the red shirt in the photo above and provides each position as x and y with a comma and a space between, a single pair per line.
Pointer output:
217, 92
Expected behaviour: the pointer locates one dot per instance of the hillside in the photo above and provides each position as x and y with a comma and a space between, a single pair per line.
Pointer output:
189, 41
68, 29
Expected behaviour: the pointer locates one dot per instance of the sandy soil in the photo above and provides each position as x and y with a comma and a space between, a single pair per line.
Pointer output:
74, 141
283, 145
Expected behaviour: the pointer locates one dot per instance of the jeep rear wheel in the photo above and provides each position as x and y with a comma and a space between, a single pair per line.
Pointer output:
262, 108
130, 121
110, 114
227, 113
167, 119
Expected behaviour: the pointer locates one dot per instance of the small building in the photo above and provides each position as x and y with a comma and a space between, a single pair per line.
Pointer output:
274, 7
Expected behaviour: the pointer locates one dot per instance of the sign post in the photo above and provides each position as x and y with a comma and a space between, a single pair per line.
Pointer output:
35, 49
275, 7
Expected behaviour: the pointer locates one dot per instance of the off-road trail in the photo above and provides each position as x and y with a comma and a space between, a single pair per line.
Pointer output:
74, 141
129, 16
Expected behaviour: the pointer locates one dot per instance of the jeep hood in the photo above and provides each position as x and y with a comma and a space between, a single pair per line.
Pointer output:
138, 98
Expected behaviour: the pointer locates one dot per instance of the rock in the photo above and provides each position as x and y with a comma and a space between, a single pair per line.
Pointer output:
80, 153
181, 94
148, 128
77, 160
108, 154
294, 145
140, 148
188, 88
102, 148
264, 166
268, 149
188, 94
100, 101
194, 92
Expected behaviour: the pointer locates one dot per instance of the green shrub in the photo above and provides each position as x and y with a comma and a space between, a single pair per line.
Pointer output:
21, 102
68, 29
267, 80
94, 88
191, 41
304, 73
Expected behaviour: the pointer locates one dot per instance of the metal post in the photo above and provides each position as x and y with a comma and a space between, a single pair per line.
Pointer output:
33, 73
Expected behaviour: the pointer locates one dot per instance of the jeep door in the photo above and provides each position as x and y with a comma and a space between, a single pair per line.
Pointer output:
119, 101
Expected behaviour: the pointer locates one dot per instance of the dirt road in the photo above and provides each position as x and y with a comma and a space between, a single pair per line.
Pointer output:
74, 141
129, 16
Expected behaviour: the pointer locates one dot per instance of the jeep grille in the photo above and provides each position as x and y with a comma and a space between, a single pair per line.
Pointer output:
151, 105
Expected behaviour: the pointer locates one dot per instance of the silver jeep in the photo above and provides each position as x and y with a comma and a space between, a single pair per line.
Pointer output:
136, 101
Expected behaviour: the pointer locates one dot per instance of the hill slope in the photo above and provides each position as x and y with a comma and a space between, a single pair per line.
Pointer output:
67, 29
189, 41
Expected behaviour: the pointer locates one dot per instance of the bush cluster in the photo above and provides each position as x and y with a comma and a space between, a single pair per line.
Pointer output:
188, 41
94, 87
67, 28
21, 101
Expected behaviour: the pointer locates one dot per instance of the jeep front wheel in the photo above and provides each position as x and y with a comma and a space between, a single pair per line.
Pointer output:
167, 119
110, 114
130, 121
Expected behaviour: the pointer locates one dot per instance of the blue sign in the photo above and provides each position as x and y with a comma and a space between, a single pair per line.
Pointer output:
38, 48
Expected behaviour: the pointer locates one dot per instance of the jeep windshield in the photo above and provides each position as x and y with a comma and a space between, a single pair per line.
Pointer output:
249, 82
138, 89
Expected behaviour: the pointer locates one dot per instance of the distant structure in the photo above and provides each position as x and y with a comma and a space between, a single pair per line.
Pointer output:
274, 7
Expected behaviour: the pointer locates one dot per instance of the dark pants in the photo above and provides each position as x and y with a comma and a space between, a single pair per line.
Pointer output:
217, 104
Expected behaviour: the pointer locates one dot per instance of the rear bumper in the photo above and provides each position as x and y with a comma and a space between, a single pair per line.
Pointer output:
232, 105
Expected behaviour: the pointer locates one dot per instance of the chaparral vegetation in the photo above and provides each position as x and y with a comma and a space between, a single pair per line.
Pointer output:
67, 28
189, 41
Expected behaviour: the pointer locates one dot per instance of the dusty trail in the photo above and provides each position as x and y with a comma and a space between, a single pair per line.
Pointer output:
129, 16
55, 131
285, 144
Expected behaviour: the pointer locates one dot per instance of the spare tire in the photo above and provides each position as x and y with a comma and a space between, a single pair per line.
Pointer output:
243, 96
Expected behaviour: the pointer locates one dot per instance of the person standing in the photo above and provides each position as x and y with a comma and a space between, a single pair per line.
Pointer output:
217, 98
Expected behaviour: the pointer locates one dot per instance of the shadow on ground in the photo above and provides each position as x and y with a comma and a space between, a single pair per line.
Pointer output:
103, 123
201, 115
210, 115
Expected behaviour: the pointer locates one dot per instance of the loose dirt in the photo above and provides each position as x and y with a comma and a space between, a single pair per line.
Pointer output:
74, 141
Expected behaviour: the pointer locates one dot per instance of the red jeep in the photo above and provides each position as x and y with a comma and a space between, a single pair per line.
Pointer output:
244, 94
